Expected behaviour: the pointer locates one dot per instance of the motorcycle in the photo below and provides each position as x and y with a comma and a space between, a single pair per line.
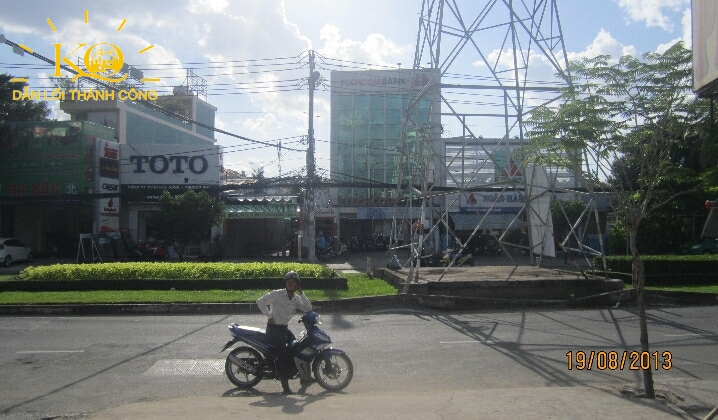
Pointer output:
325, 254
459, 259
428, 260
246, 366
340, 249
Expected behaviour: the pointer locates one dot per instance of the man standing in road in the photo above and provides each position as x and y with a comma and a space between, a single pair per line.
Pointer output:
279, 306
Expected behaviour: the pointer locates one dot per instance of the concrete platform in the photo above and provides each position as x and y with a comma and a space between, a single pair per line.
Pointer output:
502, 282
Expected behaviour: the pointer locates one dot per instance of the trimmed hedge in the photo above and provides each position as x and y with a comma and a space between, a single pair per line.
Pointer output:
171, 271
333, 283
665, 270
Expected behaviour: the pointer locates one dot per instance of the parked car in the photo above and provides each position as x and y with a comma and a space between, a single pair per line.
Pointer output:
701, 246
12, 250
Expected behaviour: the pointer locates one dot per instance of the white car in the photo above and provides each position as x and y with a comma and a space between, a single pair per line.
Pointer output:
12, 250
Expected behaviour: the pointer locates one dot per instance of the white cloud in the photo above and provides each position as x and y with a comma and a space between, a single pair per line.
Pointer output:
207, 6
687, 23
375, 49
603, 44
652, 11
260, 124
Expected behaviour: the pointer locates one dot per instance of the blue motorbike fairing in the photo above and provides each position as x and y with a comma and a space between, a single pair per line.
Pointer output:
306, 348
251, 335
331, 350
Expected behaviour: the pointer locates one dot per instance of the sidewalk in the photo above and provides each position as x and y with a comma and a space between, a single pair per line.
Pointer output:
515, 403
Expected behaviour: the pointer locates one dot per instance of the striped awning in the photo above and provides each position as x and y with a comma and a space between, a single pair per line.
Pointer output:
270, 210
469, 221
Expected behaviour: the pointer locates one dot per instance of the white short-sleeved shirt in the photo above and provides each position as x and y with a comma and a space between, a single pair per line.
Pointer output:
281, 308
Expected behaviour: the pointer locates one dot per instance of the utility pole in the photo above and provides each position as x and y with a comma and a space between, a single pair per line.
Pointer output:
309, 194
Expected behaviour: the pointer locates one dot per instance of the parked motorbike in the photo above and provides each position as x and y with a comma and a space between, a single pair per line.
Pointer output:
325, 254
428, 260
460, 259
246, 366
150, 251
340, 249
488, 246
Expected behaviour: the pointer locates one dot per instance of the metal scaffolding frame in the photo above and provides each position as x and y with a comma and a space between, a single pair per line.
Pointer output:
500, 39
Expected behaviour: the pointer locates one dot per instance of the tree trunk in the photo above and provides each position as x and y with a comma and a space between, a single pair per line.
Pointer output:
639, 279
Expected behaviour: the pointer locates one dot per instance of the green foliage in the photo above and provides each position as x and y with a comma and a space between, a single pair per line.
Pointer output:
666, 269
564, 214
617, 240
189, 217
171, 271
19, 111
359, 285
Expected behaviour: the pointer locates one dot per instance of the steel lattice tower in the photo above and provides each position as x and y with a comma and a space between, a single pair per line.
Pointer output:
517, 60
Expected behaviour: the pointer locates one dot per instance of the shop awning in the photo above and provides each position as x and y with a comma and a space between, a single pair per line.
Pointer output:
270, 210
469, 221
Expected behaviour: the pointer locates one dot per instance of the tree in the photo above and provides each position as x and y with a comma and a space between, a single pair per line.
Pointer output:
19, 110
189, 217
259, 180
615, 129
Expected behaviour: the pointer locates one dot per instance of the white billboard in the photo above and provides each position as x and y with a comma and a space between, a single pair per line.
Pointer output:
147, 170
705, 45
169, 164
539, 212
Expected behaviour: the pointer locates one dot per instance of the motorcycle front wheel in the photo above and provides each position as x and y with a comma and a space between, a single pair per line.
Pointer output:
335, 375
239, 375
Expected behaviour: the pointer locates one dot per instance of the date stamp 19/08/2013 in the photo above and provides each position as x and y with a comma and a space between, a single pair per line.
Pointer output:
614, 360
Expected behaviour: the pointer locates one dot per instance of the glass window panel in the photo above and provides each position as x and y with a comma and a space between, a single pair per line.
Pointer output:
344, 118
393, 116
361, 116
377, 132
343, 103
393, 102
345, 134
393, 132
361, 102
361, 134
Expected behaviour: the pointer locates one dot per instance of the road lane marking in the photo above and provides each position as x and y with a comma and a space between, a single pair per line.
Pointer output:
187, 367
460, 342
48, 351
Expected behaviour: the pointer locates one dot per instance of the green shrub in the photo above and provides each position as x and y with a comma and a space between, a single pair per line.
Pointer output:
666, 269
171, 271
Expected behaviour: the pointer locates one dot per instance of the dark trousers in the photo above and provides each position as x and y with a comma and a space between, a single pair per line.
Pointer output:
278, 336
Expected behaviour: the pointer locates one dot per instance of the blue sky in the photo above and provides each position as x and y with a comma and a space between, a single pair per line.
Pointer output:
266, 100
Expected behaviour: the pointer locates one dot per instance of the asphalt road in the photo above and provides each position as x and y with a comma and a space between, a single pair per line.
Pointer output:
70, 367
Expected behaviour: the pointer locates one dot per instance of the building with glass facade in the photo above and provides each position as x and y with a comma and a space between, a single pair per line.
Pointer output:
138, 124
368, 117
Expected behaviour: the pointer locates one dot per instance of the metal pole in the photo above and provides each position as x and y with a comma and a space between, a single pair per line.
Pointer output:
313, 79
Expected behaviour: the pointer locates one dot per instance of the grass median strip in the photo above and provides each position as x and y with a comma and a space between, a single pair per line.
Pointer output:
359, 285
684, 288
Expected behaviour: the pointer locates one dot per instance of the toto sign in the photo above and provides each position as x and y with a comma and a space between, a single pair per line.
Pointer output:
160, 164
170, 164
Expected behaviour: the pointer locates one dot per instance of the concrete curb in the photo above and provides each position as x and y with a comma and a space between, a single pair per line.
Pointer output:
362, 304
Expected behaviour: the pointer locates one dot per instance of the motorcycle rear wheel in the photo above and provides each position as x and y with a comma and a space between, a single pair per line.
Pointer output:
336, 375
241, 378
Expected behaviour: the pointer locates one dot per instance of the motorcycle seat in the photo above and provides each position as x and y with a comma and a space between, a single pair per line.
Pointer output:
252, 332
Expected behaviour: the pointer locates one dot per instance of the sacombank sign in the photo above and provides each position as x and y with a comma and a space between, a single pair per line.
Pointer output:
154, 164
381, 80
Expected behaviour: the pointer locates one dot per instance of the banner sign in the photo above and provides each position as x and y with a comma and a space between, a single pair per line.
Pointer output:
149, 194
48, 157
